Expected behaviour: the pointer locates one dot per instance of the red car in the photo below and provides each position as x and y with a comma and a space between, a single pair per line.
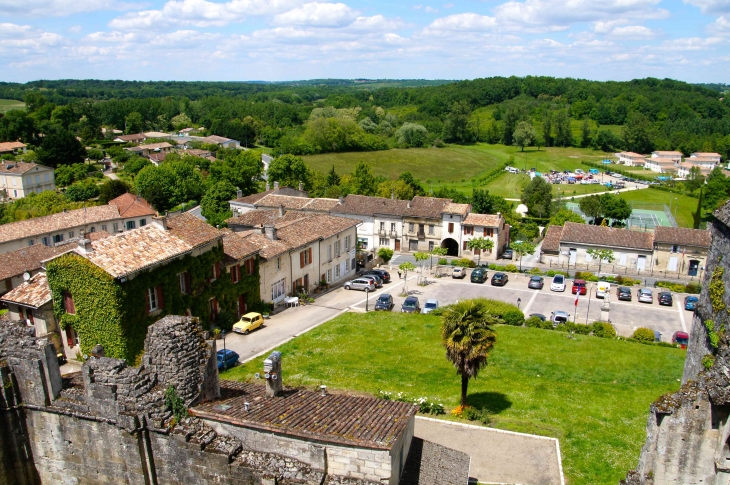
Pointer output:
681, 339
579, 285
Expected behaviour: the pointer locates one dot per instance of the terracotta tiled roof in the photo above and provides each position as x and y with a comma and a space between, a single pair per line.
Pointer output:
461, 209
216, 139
486, 220
34, 292
288, 202
660, 162
268, 249
606, 236
154, 146
700, 159
158, 157
723, 214
130, 205
364, 205
307, 229
134, 137
28, 259
7, 146
682, 236
18, 167
429, 207
254, 218
157, 134
321, 204
705, 154
668, 153
551, 241
336, 418
251, 199
191, 229
236, 247
631, 155
39, 226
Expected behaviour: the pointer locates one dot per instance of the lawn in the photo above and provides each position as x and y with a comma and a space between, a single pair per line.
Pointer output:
8, 104
510, 186
593, 394
653, 199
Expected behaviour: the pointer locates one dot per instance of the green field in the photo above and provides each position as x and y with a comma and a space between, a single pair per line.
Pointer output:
8, 104
593, 394
510, 186
654, 199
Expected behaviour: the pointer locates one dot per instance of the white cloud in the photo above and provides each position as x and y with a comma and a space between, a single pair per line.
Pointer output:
463, 22
690, 44
430, 10
634, 32
75, 29
721, 26
376, 23
711, 6
318, 15
60, 8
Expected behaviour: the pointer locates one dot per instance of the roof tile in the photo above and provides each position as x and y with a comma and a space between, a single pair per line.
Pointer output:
682, 236
486, 220
606, 236
34, 292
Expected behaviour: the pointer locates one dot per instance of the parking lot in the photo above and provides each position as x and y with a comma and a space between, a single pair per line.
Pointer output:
626, 316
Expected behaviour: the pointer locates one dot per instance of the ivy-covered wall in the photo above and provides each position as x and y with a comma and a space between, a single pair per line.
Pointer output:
114, 314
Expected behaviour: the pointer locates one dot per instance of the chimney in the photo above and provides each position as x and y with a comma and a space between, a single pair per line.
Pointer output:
268, 187
342, 200
301, 187
408, 204
323, 388
160, 221
85, 245
392, 194
281, 210
239, 193
272, 373
276, 185
270, 232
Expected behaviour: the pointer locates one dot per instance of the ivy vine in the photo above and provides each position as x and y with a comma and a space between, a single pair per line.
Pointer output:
114, 314
712, 333
717, 290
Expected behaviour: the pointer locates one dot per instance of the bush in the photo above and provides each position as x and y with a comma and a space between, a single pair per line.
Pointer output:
693, 288
443, 261
514, 317
643, 335
473, 414
707, 361
626, 281
604, 330
466, 263
454, 262
386, 254
535, 271
578, 328
536, 322
583, 275
498, 308
511, 268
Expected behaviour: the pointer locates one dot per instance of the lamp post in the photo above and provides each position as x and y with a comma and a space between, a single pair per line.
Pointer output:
367, 299
225, 362
675, 209
589, 303
519, 300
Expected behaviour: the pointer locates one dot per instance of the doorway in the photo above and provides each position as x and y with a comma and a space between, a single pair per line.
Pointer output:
452, 247
397, 244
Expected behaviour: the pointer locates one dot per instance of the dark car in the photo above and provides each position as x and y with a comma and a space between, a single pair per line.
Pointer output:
665, 298
538, 315
507, 254
579, 285
499, 279
411, 305
624, 293
226, 359
681, 339
536, 283
384, 302
384, 275
691, 302
375, 279
478, 275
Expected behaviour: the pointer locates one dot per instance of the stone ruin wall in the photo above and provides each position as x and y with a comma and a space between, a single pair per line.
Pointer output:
688, 431
111, 425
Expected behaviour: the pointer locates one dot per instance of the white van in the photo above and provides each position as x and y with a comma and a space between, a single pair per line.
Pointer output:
602, 288
512, 170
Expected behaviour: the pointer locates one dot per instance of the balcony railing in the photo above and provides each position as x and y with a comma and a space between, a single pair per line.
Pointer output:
382, 232
421, 234
393, 233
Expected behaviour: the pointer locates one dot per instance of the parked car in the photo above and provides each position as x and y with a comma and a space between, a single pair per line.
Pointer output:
624, 293
558, 317
384, 302
499, 279
681, 339
364, 284
691, 302
430, 305
579, 286
375, 278
411, 305
248, 323
459, 273
226, 359
507, 254
602, 288
558, 283
538, 315
478, 275
384, 275
665, 298
645, 295
536, 283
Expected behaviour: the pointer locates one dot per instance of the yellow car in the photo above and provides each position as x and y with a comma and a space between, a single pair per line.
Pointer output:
248, 322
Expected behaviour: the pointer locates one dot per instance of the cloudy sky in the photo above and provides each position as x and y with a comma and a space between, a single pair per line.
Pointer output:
279, 40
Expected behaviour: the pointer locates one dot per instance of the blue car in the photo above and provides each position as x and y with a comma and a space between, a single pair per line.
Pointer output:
227, 359
690, 302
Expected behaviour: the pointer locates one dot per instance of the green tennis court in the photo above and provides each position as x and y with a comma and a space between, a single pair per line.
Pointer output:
640, 218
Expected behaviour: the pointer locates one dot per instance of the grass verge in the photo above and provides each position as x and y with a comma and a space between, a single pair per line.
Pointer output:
593, 394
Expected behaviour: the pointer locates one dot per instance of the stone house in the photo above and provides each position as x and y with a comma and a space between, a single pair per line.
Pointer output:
243, 204
151, 149
18, 179
221, 141
423, 223
124, 213
631, 159
12, 147
16, 264
381, 220
133, 138
680, 249
487, 226
274, 264
239, 260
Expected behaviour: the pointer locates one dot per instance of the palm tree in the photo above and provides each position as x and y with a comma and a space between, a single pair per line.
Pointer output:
468, 338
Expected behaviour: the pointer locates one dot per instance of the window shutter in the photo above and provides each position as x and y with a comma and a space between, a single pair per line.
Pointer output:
310, 255
187, 282
301, 259
160, 299
147, 301
68, 303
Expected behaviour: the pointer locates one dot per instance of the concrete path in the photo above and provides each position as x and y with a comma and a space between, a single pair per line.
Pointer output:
498, 456
111, 175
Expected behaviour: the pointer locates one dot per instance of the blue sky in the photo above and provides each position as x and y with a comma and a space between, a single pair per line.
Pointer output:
278, 40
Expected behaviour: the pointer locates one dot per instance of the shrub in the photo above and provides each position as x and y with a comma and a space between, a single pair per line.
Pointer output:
583, 275
386, 254
626, 281
603, 330
466, 263
707, 361
536, 271
511, 268
535, 322
643, 335
499, 308
693, 288
443, 261
473, 414
550, 273
514, 317
454, 262
581, 329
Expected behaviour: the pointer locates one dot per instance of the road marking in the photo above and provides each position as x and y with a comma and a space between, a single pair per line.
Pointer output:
529, 304
681, 317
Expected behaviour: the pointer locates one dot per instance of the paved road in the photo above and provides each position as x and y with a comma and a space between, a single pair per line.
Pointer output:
111, 175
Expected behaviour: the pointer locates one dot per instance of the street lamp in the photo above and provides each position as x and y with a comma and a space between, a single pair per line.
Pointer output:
589, 303
519, 300
225, 362
367, 298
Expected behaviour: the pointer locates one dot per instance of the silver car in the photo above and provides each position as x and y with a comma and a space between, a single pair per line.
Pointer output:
645, 295
430, 306
364, 284
376, 279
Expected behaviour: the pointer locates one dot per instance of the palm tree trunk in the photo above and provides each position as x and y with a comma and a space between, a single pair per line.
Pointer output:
464, 388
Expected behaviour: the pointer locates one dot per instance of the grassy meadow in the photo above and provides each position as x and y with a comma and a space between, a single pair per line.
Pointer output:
8, 104
593, 394
653, 199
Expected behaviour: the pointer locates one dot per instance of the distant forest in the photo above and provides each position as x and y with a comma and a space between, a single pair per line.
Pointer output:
318, 116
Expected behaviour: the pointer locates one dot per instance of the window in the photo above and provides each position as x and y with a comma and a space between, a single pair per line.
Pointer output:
68, 303
382, 226
430, 245
241, 306
488, 231
142, 222
278, 263
347, 243
31, 242
212, 309
116, 227
337, 249
37, 179
430, 228
184, 279
131, 225
57, 238
675, 249
151, 299
328, 275
392, 227
464, 245
93, 229
216, 271
410, 227
384, 241
45, 177
70, 234
28, 181
45, 241
278, 290
345, 266
337, 271
451, 227
103, 227
235, 273
329, 252
305, 257
250, 266
469, 230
